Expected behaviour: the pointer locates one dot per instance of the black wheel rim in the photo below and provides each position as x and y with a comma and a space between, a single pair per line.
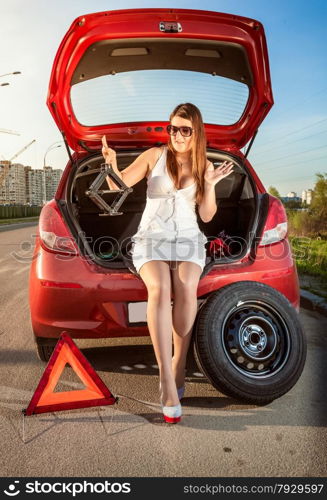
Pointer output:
256, 339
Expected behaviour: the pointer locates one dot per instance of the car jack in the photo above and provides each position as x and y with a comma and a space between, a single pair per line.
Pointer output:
94, 191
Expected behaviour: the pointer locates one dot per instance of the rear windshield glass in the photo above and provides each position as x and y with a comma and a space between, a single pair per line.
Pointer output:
151, 95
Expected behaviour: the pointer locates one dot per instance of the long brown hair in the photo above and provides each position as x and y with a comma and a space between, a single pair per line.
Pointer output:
198, 152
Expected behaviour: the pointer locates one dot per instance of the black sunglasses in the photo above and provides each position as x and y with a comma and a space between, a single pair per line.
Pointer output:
185, 131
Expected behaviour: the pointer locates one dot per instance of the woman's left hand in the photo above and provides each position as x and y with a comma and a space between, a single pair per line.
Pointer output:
213, 175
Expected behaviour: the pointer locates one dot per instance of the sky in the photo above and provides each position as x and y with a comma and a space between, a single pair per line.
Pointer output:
291, 145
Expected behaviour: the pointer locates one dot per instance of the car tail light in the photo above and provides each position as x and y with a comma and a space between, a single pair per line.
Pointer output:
54, 234
276, 224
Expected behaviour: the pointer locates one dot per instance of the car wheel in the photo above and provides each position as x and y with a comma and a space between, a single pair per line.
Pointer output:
45, 347
249, 342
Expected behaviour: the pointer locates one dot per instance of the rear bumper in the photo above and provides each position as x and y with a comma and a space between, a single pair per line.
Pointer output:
78, 298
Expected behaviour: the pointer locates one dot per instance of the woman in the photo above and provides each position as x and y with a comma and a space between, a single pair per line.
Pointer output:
179, 177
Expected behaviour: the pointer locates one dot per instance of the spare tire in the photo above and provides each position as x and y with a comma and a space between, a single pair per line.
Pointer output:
249, 342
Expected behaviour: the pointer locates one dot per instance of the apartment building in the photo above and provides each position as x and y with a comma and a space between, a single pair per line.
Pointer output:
51, 179
12, 185
20, 184
4, 173
307, 196
35, 188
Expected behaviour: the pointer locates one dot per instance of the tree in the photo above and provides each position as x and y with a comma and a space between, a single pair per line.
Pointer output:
318, 205
273, 191
292, 204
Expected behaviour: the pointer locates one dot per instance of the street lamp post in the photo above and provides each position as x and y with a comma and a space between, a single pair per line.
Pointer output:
50, 148
7, 74
12, 73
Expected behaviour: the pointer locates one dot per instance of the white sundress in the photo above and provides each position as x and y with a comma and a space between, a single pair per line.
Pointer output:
168, 229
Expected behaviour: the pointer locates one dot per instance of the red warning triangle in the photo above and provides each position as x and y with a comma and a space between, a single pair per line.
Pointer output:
46, 400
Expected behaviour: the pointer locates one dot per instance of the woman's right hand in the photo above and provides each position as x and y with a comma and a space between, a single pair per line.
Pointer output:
108, 154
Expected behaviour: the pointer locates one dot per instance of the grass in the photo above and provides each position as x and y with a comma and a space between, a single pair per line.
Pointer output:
16, 221
311, 261
310, 255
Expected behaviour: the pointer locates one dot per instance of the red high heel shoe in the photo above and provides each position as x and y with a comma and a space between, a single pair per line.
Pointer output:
171, 414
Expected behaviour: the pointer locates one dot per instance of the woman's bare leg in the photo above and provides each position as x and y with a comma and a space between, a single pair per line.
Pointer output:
185, 280
157, 279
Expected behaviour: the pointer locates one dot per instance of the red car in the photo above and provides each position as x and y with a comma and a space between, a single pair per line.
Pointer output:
119, 73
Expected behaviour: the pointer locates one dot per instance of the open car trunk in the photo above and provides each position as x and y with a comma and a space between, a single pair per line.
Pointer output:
107, 239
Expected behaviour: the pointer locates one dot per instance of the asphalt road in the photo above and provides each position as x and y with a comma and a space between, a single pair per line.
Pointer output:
217, 437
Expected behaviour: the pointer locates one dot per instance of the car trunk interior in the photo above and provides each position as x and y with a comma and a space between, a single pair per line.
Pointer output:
109, 237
